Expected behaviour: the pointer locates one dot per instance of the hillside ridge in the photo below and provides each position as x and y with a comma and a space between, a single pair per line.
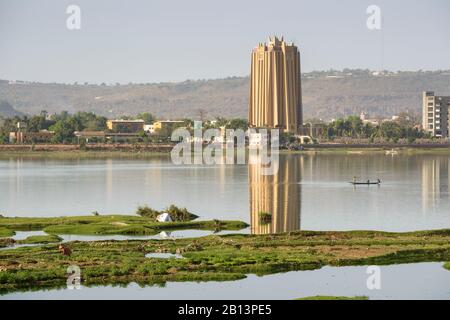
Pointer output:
326, 95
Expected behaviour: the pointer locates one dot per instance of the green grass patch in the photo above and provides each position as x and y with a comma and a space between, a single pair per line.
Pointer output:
111, 225
140, 229
5, 232
51, 238
447, 265
210, 258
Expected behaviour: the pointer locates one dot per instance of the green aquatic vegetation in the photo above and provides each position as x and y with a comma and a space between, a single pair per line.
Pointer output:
111, 225
5, 232
141, 229
447, 265
265, 217
215, 257
31, 223
334, 298
51, 238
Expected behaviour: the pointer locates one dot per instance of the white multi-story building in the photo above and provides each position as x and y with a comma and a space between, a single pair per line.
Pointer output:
435, 114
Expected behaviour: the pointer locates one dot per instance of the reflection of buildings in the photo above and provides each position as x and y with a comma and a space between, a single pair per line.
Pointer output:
435, 181
276, 194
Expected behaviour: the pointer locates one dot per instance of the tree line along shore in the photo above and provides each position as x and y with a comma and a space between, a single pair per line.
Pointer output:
87, 129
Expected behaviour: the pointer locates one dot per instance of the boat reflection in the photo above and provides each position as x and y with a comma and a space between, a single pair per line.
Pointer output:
278, 195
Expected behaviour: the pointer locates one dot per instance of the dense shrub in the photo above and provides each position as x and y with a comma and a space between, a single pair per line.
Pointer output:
177, 214
146, 211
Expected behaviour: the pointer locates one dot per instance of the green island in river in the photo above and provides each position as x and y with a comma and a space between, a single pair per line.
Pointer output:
209, 258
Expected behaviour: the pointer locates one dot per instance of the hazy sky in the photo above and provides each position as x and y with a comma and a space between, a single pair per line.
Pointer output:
175, 40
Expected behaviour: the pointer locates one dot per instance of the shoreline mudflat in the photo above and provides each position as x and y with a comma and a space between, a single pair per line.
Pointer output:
148, 150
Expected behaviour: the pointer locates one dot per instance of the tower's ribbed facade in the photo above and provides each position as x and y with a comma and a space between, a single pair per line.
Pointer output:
275, 87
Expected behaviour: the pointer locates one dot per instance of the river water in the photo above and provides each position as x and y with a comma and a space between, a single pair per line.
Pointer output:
408, 281
309, 192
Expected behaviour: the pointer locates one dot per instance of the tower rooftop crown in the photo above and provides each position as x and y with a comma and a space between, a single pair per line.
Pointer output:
273, 42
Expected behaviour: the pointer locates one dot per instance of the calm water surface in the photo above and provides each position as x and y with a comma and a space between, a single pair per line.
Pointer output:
310, 192
409, 281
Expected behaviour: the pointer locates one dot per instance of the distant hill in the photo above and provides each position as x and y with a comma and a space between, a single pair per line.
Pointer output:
325, 95
7, 111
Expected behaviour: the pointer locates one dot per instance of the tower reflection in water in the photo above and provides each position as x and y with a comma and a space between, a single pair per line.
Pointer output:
277, 194
435, 182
